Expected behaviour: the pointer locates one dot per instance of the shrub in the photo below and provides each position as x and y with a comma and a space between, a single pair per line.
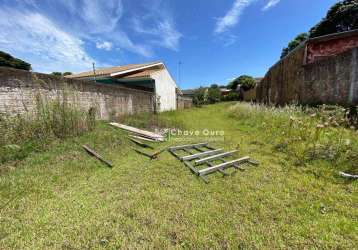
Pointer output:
200, 96
33, 131
233, 96
214, 95
304, 135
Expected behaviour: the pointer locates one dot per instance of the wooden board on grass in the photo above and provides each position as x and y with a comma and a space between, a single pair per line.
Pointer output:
138, 131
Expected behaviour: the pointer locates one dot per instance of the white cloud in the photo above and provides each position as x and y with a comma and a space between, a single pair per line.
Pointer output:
232, 16
228, 39
163, 33
270, 4
169, 36
104, 45
100, 16
121, 39
94, 18
39, 41
57, 42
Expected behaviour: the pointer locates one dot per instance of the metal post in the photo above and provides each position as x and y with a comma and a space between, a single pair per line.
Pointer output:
94, 72
179, 73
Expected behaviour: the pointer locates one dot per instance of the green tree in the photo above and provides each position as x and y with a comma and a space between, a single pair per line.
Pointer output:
61, 74
343, 16
214, 95
294, 44
245, 81
214, 86
233, 96
6, 60
200, 96
56, 73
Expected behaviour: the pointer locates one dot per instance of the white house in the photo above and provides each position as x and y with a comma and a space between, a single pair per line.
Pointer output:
152, 76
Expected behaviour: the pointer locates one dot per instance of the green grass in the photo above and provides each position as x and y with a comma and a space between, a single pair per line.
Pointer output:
64, 199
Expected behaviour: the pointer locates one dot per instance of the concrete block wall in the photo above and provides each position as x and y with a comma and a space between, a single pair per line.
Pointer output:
332, 80
184, 102
19, 90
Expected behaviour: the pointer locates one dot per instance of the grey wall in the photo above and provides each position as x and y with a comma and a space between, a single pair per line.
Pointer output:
184, 102
19, 90
333, 80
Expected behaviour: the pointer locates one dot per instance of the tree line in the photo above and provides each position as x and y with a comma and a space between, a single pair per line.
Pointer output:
341, 17
213, 94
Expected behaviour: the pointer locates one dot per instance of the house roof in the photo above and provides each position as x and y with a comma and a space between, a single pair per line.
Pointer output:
188, 91
140, 74
225, 90
128, 70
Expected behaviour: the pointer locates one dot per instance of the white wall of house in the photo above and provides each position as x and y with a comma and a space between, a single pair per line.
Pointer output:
165, 88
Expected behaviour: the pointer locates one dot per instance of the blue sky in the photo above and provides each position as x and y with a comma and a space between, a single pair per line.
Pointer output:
216, 40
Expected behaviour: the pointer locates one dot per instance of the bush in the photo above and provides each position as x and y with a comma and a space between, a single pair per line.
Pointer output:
233, 96
200, 96
305, 136
33, 131
214, 95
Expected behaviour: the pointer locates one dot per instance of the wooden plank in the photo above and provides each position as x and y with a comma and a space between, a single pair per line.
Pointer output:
196, 156
214, 157
96, 155
139, 131
223, 172
143, 153
174, 154
187, 150
220, 170
153, 155
199, 149
188, 146
194, 170
158, 152
349, 176
238, 167
204, 179
141, 143
222, 166
141, 138
255, 163
144, 137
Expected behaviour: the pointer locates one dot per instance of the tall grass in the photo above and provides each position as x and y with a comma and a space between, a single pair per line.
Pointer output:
34, 130
152, 121
304, 134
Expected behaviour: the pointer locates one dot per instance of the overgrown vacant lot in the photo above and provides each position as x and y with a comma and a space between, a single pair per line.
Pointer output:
62, 198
